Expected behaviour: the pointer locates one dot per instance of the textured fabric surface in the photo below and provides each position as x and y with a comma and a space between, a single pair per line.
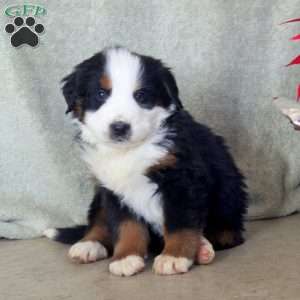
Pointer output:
264, 268
228, 58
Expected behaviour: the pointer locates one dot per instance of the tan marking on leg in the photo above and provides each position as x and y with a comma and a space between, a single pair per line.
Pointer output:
133, 240
95, 242
226, 238
96, 233
98, 230
130, 249
179, 252
183, 243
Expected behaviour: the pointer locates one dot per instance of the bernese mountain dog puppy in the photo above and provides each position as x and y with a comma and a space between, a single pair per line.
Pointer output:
164, 181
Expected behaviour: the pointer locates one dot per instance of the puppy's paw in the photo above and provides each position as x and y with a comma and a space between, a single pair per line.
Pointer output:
127, 266
206, 252
87, 252
168, 265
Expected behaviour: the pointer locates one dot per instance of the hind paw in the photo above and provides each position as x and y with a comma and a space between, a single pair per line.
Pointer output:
206, 253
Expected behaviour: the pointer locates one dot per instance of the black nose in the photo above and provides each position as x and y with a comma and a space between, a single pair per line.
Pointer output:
119, 131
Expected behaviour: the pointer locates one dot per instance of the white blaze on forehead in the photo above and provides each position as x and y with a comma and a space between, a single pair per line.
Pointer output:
124, 70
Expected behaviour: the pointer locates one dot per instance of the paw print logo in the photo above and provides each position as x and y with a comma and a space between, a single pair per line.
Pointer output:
27, 33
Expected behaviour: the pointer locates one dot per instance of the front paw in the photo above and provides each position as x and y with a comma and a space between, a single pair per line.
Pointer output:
168, 265
87, 252
127, 266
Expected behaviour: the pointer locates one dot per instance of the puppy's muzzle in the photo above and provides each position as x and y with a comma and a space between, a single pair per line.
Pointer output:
120, 131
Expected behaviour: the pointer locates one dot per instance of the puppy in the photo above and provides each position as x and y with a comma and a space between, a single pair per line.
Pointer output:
163, 179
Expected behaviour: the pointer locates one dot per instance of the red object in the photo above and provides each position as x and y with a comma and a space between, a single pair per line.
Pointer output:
295, 38
298, 93
295, 61
291, 21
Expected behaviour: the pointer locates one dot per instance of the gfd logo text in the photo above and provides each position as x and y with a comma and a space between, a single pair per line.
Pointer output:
25, 10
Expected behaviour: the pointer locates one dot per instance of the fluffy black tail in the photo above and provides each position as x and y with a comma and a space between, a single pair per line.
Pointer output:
68, 235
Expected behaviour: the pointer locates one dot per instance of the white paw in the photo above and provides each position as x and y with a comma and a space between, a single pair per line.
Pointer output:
127, 266
168, 265
87, 251
206, 252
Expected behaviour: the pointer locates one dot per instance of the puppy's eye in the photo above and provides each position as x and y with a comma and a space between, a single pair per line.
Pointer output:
141, 96
102, 95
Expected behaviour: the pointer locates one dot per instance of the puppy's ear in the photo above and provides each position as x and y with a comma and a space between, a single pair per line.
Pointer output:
70, 90
76, 85
171, 88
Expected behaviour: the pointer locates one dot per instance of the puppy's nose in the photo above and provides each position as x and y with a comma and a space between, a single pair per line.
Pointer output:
119, 130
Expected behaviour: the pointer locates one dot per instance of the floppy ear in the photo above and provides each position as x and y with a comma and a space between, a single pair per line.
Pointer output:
75, 92
171, 88
70, 90
75, 85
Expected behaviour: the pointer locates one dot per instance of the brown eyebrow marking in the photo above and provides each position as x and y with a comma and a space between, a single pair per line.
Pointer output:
105, 82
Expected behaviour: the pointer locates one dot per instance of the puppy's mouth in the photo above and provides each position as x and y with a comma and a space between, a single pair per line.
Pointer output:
125, 143
124, 139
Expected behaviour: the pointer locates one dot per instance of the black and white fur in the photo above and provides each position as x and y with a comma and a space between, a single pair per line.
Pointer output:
201, 190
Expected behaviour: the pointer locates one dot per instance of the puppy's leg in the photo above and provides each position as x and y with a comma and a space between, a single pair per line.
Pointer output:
91, 248
130, 248
179, 252
94, 244
185, 209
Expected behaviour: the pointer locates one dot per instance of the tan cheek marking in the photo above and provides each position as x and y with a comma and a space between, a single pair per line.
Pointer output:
168, 161
133, 240
105, 82
183, 243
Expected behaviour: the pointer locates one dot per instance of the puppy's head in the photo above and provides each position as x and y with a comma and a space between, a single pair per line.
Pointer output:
121, 97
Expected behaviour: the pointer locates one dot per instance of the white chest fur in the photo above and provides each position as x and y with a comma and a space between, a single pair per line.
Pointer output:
122, 171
